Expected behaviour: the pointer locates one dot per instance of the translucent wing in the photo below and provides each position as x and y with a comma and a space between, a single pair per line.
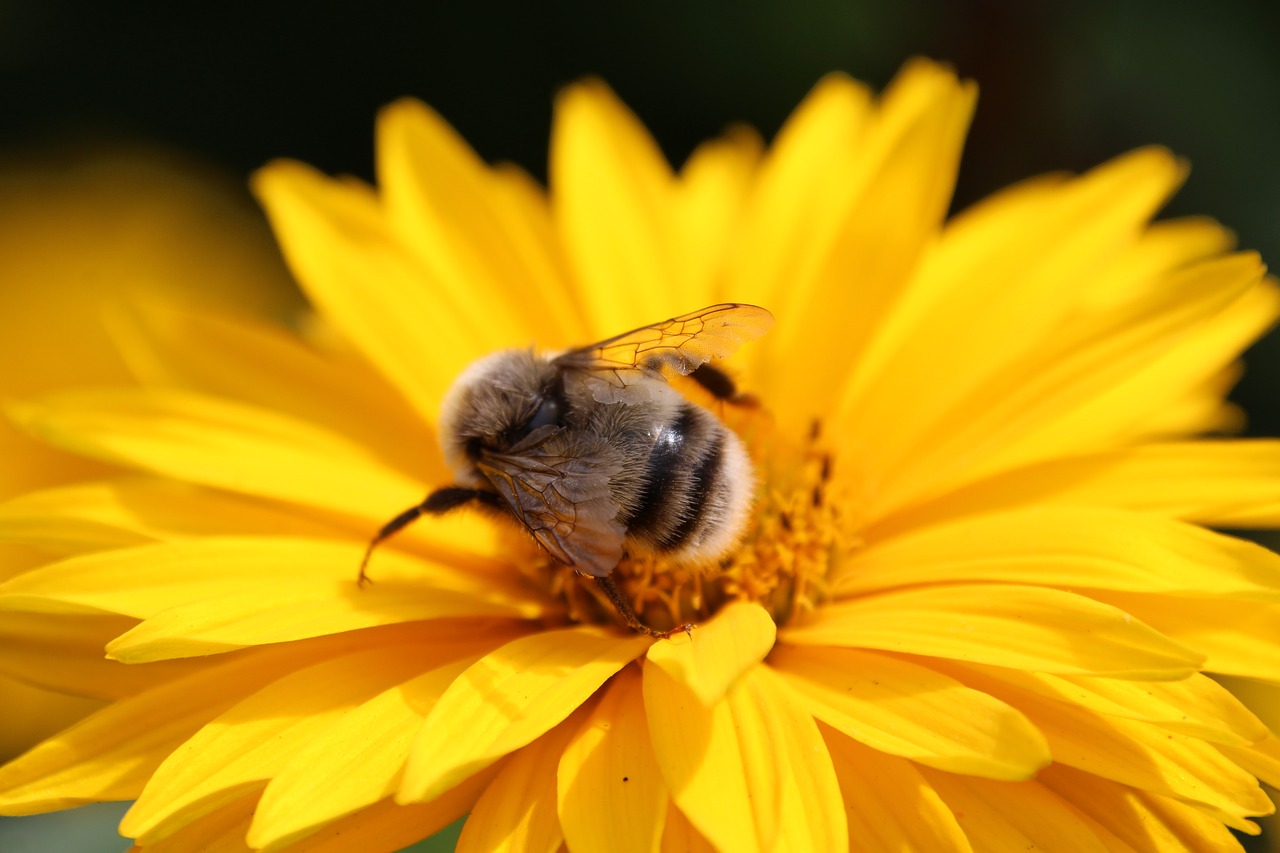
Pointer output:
620, 369
558, 487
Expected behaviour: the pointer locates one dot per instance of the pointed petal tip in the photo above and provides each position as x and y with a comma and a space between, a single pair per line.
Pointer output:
923, 73
267, 177
584, 97
1149, 163
401, 108
834, 82
403, 124
587, 87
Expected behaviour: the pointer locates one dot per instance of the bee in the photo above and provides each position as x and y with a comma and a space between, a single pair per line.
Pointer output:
595, 454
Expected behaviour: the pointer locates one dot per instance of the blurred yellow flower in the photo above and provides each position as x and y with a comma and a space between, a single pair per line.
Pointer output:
80, 232
974, 607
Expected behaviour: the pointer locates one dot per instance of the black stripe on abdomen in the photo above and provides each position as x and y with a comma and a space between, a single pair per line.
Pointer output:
698, 489
683, 465
662, 473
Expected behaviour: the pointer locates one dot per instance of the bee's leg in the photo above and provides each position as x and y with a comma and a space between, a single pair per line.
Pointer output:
628, 613
715, 381
438, 502
721, 386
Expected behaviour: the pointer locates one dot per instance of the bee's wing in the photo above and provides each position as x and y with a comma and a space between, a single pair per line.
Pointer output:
618, 369
560, 492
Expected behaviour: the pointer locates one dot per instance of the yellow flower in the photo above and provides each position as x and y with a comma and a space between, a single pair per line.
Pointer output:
973, 609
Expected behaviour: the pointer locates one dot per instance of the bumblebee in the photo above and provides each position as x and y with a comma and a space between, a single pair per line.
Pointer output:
595, 454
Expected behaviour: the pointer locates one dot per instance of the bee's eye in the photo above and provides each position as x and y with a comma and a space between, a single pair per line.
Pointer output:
550, 412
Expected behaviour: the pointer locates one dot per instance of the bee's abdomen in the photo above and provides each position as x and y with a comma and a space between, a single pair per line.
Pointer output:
682, 503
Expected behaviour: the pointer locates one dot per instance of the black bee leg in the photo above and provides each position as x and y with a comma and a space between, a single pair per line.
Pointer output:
628, 613
715, 380
438, 502
721, 386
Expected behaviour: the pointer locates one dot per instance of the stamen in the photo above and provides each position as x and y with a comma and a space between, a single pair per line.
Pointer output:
795, 539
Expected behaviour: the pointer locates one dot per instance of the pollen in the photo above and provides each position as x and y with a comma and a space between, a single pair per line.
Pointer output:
795, 538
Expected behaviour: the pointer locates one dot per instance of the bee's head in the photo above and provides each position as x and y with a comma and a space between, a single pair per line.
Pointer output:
493, 404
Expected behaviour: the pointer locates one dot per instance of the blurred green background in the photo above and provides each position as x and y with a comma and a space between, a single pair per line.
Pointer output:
1063, 86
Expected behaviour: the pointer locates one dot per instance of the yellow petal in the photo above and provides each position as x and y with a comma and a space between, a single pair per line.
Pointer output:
256, 452
904, 709
220, 831
1071, 547
266, 366
518, 809
1160, 248
1006, 625
750, 772
248, 744
509, 698
1218, 483
110, 755
1013, 417
64, 653
712, 659
67, 519
1175, 387
1196, 706
221, 443
805, 180
1019, 816
613, 195
888, 804
1047, 235
702, 763
711, 200
1199, 411
134, 510
388, 826
443, 203
1146, 822
353, 764
610, 794
891, 207
235, 621
680, 836
1236, 638
1262, 759
30, 714
948, 275
1261, 697
217, 594
525, 211
1144, 756
391, 308
810, 808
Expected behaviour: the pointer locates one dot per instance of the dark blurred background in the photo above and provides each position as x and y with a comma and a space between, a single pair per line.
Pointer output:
1063, 85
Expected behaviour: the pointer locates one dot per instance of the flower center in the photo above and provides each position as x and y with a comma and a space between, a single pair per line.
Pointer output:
794, 538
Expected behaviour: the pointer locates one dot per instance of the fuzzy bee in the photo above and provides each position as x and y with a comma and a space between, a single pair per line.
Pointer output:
595, 454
